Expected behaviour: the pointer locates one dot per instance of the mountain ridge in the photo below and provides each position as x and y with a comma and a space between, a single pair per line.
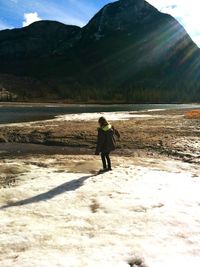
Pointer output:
129, 51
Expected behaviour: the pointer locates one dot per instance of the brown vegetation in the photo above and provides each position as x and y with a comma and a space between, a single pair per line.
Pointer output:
193, 114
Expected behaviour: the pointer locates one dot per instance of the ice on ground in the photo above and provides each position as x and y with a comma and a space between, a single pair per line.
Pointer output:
111, 116
57, 218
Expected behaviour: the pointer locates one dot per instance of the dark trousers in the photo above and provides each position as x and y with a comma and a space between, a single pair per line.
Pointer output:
105, 157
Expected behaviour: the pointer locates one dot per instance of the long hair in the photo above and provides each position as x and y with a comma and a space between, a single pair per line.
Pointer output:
103, 121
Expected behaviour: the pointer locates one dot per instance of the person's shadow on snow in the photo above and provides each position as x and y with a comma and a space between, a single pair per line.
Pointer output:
66, 187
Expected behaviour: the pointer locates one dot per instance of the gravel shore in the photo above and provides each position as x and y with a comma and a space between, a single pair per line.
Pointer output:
166, 132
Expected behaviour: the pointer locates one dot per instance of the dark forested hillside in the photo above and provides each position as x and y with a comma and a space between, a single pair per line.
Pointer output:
128, 52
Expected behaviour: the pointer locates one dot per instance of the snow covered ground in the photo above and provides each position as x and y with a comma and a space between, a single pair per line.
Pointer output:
146, 209
111, 116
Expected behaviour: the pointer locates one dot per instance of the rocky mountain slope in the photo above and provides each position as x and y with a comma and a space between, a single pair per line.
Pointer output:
128, 52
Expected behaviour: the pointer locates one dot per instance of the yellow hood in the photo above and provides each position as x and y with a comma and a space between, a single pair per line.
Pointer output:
106, 128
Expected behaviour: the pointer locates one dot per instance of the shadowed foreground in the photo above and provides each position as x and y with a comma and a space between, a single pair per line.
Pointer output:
61, 189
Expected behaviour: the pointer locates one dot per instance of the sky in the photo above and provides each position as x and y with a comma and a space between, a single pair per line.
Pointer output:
20, 13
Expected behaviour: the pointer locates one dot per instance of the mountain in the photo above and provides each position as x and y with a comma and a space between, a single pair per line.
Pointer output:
39, 39
128, 52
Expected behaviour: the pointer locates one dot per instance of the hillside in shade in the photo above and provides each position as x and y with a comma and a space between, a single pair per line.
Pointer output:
128, 52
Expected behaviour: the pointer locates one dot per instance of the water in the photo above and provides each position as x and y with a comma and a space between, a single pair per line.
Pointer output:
31, 112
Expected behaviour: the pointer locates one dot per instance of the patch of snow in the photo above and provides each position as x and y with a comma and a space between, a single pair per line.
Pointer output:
111, 116
98, 36
158, 109
102, 19
70, 219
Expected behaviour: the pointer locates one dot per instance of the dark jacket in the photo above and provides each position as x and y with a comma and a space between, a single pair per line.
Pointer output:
106, 139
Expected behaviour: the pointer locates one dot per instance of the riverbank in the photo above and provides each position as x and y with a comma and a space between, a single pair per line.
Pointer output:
29, 112
167, 132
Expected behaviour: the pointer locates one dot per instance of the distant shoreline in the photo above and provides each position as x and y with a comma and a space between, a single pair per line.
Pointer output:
100, 103
19, 112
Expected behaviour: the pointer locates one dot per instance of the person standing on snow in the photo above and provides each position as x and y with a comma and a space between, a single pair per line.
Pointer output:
106, 143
